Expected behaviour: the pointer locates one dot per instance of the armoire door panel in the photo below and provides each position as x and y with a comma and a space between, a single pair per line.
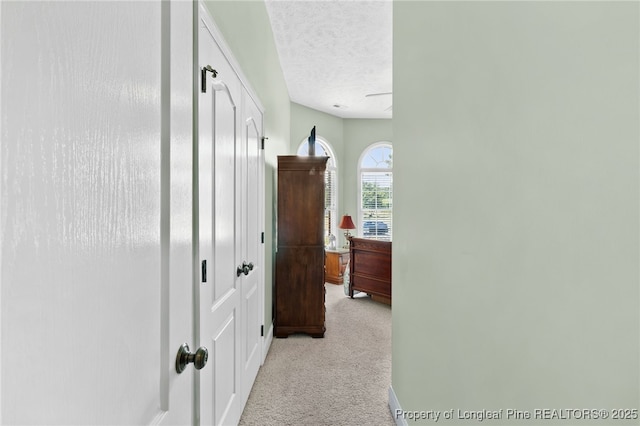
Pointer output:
301, 200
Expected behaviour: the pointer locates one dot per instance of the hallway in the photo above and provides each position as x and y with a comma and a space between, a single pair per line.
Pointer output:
342, 379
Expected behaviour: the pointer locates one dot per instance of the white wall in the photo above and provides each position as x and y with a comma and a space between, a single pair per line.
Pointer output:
516, 238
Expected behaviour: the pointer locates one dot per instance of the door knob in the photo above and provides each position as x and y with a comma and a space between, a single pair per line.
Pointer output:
199, 358
244, 269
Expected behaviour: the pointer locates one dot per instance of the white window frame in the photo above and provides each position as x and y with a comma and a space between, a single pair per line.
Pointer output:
332, 167
361, 170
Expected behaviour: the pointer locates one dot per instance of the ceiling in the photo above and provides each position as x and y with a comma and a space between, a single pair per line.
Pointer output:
334, 53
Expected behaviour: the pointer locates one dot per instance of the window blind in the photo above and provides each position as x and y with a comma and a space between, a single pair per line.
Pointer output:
376, 204
330, 202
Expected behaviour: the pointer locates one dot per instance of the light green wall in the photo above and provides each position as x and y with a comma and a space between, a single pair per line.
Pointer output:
516, 231
359, 134
246, 28
328, 127
349, 138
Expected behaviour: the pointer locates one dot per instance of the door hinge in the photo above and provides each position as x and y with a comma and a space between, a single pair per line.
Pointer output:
262, 144
203, 77
262, 238
262, 331
204, 271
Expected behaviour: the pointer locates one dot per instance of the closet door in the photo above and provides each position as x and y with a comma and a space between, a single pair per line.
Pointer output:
220, 318
251, 167
231, 221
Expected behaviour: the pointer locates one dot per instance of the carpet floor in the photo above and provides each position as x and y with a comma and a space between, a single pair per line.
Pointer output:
341, 379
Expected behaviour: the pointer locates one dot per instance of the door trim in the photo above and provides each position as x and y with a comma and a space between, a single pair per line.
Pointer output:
267, 342
1, 215
195, 210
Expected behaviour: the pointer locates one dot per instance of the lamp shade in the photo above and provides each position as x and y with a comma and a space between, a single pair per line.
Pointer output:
346, 223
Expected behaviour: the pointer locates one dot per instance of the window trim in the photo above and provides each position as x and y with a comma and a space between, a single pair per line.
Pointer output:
387, 144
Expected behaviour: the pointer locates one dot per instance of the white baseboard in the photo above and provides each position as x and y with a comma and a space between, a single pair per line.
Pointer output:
394, 406
267, 343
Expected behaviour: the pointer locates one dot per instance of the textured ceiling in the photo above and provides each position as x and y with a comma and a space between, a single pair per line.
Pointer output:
335, 52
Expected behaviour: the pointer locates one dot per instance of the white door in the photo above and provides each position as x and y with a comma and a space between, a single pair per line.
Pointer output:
252, 248
231, 217
220, 296
95, 199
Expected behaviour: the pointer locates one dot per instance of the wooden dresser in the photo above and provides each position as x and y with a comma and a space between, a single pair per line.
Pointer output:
370, 268
299, 288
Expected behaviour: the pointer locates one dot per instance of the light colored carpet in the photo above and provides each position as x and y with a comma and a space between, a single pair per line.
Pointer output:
341, 379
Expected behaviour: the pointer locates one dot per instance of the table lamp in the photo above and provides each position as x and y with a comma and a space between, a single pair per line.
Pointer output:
346, 223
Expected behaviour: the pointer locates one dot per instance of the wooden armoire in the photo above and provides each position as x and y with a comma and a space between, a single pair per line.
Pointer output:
299, 289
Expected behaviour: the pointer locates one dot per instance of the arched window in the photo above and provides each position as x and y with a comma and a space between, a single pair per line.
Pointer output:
331, 184
376, 192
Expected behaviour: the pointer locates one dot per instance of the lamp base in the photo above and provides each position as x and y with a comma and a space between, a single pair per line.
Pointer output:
347, 235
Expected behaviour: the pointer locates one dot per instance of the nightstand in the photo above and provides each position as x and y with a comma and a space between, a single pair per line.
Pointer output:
335, 263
